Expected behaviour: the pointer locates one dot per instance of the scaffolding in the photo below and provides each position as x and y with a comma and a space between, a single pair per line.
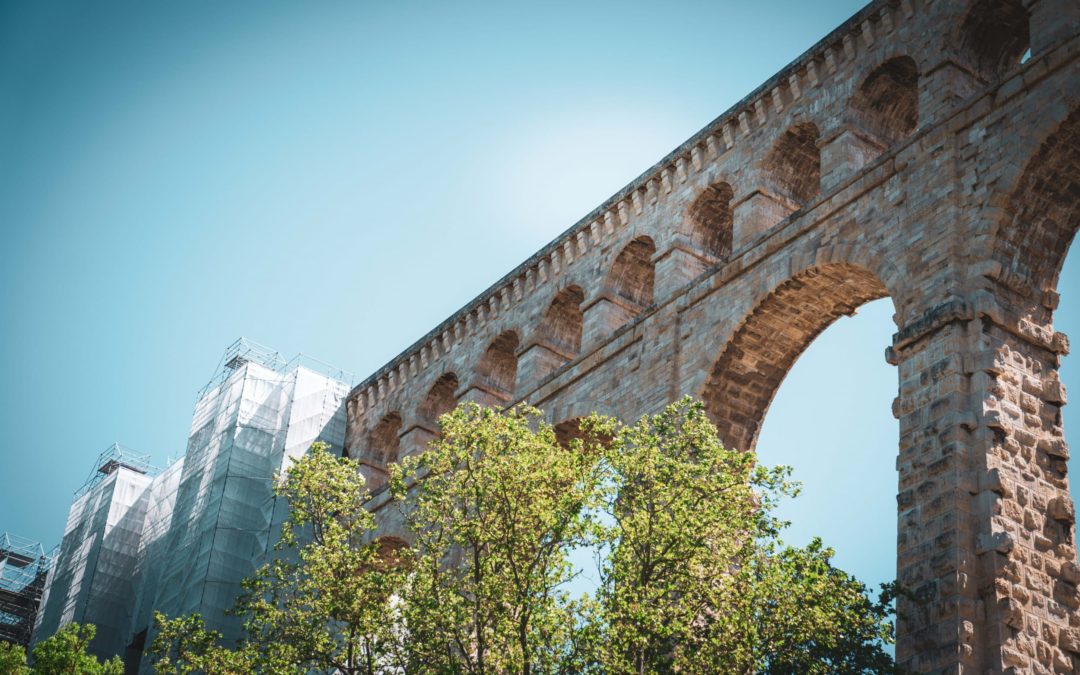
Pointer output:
94, 578
112, 459
256, 413
24, 567
180, 541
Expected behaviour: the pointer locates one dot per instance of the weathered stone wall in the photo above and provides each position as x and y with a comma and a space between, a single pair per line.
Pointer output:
917, 153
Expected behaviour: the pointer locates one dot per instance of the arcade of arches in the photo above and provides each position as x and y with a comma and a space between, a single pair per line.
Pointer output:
924, 152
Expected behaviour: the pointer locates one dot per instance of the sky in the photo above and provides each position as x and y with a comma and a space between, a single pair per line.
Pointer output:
336, 178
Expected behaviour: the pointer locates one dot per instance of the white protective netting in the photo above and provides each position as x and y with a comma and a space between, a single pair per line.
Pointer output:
181, 542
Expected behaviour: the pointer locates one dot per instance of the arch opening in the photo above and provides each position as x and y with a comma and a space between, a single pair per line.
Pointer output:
562, 323
886, 104
633, 274
1042, 219
440, 399
763, 349
794, 163
994, 36
712, 222
497, 370
381, 449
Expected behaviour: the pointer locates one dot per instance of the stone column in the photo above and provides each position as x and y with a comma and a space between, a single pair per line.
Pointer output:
536, 362
985, 537
844, 152
485, 396
416, 438
677, 266
603, 316
942, 87
758, 212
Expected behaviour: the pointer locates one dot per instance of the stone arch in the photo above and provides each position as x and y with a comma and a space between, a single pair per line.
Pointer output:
390, 550
440, 399
496, 372
561, 327
633, 274
886, 103
793, 164
711, 220
381, 449
1042, 214
568, 430
993, 36
771, 337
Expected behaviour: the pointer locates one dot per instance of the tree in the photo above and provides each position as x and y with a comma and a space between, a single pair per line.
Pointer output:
495, 504
326, 602
697, 580
185, 646
12, 659
64, 653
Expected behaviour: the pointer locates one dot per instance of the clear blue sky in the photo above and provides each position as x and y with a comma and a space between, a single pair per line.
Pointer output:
338, 177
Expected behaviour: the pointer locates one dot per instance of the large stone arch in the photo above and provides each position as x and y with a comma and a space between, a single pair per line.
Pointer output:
766, 344
1041, 217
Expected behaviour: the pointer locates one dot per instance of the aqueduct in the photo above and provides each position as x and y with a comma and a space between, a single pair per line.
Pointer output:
927, 151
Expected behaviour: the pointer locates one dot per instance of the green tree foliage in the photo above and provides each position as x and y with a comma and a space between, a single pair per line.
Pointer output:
495, 504
326, 604
694, 576
697, 580
64, 653
12, 659
184, 646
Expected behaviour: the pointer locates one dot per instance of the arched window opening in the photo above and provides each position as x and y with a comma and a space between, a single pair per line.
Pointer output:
497, 370
633, 273
886, 104
711, 221
440, 400
794, 163
561, 328
994, 36
381, 450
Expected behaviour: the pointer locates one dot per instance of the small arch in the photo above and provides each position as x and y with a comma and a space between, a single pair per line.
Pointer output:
886, 104
763, 349
380, 450
633, 274
711, 220
568, 430
497, 370
794, 163
391, 551
440, 399
562, 323
994, 36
